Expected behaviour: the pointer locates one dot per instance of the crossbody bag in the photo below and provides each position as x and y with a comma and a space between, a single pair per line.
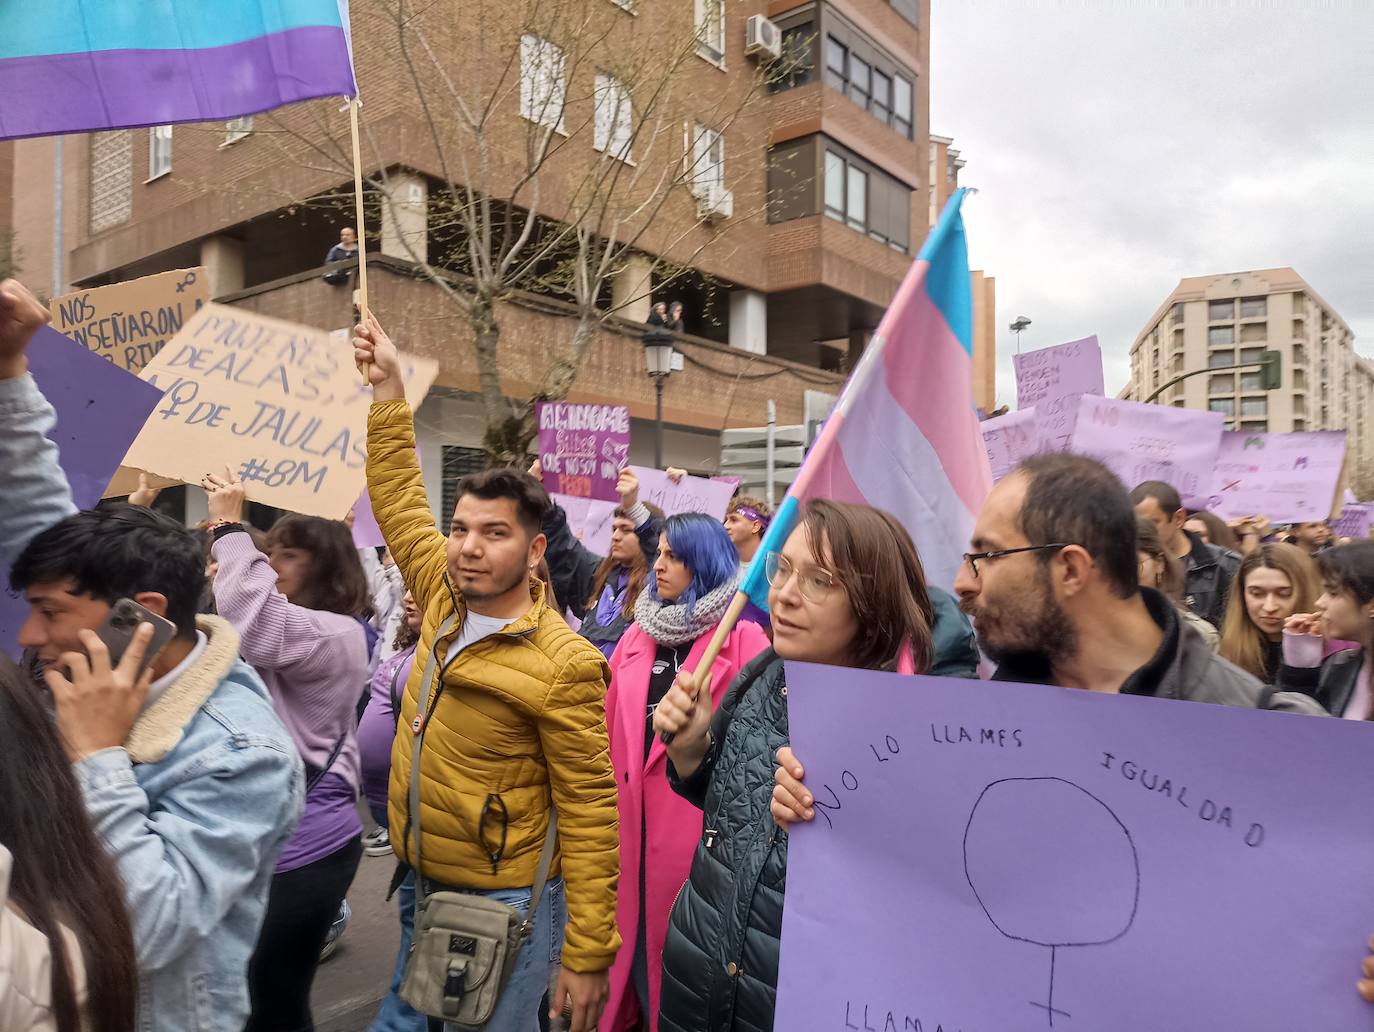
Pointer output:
465, 946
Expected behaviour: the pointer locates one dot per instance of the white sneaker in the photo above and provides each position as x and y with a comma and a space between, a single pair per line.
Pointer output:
378, 844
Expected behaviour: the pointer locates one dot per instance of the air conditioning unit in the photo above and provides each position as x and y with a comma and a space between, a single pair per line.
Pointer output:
761, 36
715, 203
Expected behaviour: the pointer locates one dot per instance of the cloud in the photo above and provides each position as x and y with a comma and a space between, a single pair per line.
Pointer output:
1119, 147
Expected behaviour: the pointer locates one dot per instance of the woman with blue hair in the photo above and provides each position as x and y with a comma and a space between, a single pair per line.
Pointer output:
694, 579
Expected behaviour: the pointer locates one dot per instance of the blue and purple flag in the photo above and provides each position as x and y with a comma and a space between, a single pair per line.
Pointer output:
904, 435
69, 66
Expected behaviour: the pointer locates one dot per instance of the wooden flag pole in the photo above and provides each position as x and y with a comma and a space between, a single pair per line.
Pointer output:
713, 647
353, 106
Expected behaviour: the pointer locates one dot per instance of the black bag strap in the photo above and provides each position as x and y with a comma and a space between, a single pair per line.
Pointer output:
317, 773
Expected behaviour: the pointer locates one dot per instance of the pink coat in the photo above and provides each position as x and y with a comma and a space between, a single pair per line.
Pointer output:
669, 825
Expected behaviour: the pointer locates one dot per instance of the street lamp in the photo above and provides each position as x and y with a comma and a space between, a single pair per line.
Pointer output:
658, 360
1020, 324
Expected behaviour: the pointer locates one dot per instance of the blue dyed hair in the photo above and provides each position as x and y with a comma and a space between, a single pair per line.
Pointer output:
705, 548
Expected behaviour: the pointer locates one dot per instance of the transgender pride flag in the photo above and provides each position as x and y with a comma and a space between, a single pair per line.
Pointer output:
69, 66
904, 435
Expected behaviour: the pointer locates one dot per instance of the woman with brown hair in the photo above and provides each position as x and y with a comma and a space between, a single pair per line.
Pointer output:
846, 590
301, 610
66, 948
1274, 582
1165, 573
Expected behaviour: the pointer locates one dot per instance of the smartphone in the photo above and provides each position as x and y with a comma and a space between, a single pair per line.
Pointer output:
118, 631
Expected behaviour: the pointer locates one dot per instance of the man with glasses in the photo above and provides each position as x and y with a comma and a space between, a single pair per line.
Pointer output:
1051, 584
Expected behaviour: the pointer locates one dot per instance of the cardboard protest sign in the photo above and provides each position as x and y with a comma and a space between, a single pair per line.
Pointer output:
1052, 380
582, 448
1002, 857
128, 323
1009, 439
281, 405
100, 409
1291, 478
1150, 442
590, 520
1354, 522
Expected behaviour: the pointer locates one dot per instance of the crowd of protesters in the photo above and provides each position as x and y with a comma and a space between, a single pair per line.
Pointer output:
532, 728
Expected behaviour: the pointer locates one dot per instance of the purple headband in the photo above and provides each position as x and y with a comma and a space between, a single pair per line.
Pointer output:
754, 515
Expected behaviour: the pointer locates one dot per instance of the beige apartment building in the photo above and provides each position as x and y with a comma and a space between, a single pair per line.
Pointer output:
1226, 320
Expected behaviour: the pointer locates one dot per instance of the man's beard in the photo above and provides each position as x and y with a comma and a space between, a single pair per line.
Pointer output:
1031, 625
484, 596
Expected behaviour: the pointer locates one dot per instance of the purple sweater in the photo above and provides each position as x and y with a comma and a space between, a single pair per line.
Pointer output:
315, 666
377, 729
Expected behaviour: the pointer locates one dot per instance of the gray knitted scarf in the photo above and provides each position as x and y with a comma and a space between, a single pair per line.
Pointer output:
672, 624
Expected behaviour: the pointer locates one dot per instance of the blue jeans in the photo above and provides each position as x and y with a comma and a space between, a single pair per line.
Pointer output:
518, 1008
395, 1014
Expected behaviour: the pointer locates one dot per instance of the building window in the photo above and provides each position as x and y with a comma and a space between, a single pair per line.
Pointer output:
1249, 355
237, 128
1299, 380
798, 64
613, 116
542, 89
1226, 406
1254, 406
856, 197
159, 151
860, 81
708, 161
112, 179
882, 96
1221, 336
1258, 426
1299, 425
1253, 333
1299, 355
1251, 381
908, 9
711, 30
1176, 313
1221, 359
834, 185
1221, 310
836, 62
458, 462
1221, 384
1254, 308
901, 105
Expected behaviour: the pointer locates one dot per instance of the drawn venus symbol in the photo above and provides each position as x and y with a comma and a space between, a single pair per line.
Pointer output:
1051, 865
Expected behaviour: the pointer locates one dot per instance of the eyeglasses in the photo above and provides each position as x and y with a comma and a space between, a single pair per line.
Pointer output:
974, 558
814, 583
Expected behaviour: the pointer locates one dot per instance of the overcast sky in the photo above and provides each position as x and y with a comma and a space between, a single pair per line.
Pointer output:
1120, 146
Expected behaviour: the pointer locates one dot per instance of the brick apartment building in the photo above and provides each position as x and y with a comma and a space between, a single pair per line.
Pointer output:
801, 212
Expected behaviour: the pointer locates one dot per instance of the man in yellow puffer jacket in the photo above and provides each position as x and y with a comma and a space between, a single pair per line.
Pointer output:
517, 718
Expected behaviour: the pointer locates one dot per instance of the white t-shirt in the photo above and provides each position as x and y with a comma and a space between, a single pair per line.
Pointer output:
475, 628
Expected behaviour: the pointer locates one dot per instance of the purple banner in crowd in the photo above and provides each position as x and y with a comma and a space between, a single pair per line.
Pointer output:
1291, 478
1052, 380
590, 519
1009, 439
100, 410
1355, 521
1150, 442
366, 533
582, 448
1012, 857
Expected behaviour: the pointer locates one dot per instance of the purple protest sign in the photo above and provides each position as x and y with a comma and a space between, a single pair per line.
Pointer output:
1150, 442
582, 448
1291, 478
1355, 520
691, 494
1052, 380
366, 533
999, 857
100, 410
1009, 439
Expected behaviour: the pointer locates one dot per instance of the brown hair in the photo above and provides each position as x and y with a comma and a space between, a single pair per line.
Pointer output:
639, 570
336, 583
1218, 533
531, 500
750, 502
1242, 642
874, 558
1173, 576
